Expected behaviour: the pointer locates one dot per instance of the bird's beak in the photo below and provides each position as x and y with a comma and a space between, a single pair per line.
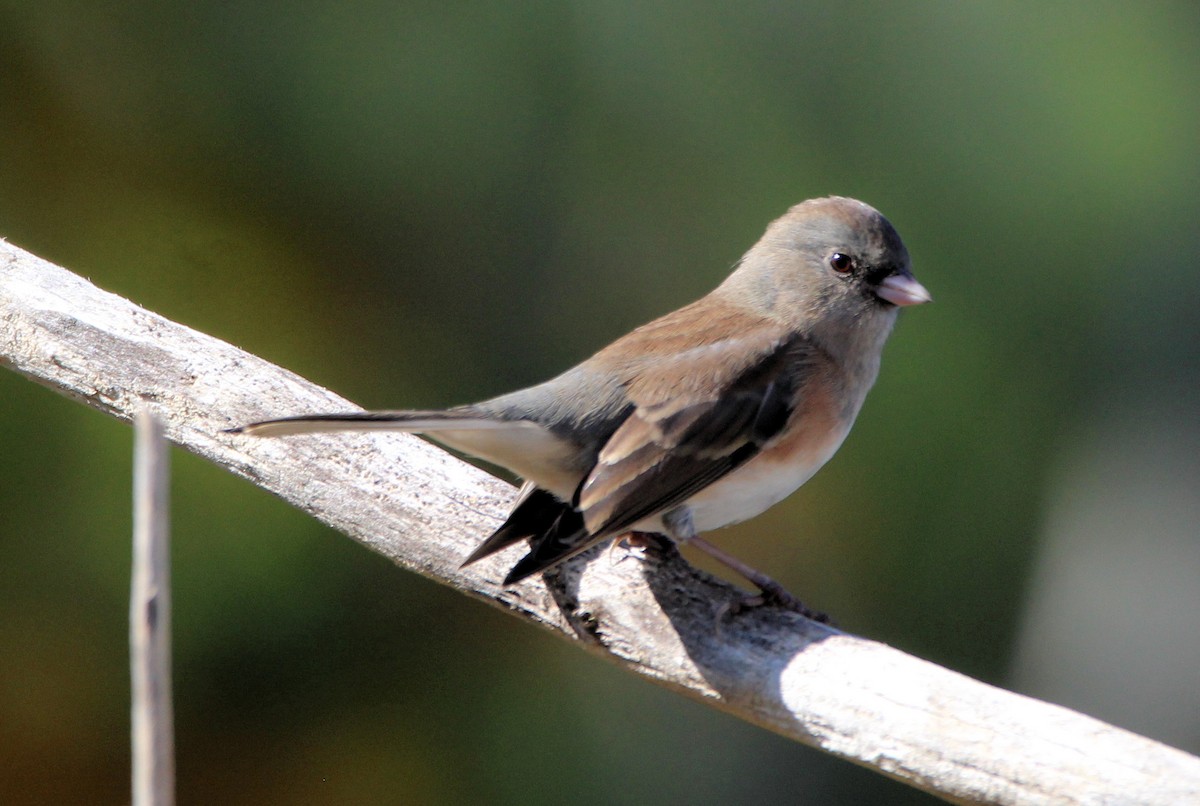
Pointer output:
902, 290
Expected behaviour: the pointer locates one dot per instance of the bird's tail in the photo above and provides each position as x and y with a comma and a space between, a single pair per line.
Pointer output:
555, 528
535, 513
415, 422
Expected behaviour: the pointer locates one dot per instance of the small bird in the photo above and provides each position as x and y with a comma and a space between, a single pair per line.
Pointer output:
702, 418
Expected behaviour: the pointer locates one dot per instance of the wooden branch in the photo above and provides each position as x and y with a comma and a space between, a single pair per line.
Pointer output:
932, 728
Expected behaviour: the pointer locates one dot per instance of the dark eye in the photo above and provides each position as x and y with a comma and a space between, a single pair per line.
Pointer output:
840, 262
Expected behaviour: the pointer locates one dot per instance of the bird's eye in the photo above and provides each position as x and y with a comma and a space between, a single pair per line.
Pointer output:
841, 262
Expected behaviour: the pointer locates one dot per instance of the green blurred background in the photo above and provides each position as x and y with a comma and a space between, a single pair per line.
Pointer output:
426, 203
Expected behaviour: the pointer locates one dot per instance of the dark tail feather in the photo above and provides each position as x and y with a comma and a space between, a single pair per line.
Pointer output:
555, 528
461, 418
566, 537
534, 513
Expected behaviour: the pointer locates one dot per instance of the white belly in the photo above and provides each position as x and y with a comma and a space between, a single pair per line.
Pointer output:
758, 485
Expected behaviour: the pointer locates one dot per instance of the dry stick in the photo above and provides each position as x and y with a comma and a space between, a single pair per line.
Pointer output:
858, 699
150, 619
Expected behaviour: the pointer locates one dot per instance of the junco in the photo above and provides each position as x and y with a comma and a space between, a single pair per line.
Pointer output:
700, 419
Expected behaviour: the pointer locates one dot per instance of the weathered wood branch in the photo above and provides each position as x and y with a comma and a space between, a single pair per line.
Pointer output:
912, 720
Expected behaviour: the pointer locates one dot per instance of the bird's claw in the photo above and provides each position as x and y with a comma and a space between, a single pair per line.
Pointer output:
631, 542
773, 594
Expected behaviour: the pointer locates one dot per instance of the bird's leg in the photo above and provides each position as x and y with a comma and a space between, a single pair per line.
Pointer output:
770, 591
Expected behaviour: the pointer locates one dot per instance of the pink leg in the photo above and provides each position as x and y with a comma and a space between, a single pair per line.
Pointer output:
771, 591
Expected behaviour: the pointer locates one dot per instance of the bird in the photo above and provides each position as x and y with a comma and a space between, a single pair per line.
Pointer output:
702, 418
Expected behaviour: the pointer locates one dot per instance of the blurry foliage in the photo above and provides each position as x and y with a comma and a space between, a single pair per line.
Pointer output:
427, 203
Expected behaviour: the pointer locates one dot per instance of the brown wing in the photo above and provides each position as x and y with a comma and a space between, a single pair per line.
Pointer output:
675, 443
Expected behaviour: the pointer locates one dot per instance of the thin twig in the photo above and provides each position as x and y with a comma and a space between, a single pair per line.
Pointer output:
150, 619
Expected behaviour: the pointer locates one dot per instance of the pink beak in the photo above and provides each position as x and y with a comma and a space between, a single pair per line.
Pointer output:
902, 290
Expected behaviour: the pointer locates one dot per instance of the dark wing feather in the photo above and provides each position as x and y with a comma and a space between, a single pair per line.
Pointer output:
656, 461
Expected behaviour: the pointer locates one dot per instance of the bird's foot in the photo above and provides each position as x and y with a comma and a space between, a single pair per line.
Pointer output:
632, 543
771, 593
